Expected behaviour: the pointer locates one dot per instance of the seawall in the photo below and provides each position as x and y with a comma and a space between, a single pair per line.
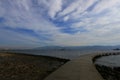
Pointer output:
107, 72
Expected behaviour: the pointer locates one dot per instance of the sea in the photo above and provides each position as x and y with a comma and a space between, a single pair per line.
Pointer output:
65, 54
110, 61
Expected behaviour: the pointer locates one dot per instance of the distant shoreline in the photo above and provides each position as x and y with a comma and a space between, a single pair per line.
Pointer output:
17, 53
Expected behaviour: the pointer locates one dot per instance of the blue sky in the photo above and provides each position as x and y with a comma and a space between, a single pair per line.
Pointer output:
35, 23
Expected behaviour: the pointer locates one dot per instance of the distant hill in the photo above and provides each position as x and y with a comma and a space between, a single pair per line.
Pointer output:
77, 48
61, 48
49, 48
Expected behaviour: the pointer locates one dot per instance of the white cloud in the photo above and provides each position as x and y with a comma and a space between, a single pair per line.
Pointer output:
66, 18
54, 7
27, 19
70, 8
85, 4
105, 5
77, 8
34, 16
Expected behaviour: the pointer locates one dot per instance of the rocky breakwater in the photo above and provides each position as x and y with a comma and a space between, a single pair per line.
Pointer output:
108, 65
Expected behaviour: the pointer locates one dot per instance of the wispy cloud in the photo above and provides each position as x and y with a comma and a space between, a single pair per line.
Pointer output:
59, 22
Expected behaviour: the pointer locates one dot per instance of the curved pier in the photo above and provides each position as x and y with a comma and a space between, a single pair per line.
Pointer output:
78, 69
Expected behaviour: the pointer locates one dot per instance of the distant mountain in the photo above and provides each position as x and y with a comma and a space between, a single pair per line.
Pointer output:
48, 48
77, 48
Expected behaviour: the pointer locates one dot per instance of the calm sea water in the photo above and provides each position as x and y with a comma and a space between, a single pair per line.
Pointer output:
66, 54
111, 61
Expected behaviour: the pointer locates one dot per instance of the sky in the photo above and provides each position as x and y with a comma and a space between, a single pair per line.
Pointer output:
36, 23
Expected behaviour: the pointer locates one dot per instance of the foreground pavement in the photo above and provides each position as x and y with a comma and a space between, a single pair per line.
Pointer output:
78, 69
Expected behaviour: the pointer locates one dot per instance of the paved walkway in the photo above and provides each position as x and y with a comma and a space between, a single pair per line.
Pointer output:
78, 69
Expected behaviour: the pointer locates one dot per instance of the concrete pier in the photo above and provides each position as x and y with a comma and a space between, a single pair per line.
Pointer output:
78, 69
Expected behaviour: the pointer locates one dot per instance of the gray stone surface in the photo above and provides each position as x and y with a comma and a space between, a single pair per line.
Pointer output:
78, 69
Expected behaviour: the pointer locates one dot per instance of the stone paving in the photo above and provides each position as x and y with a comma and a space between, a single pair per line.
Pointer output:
78, 69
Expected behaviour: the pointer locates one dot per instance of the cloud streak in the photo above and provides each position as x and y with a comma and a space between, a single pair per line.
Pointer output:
59, 22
